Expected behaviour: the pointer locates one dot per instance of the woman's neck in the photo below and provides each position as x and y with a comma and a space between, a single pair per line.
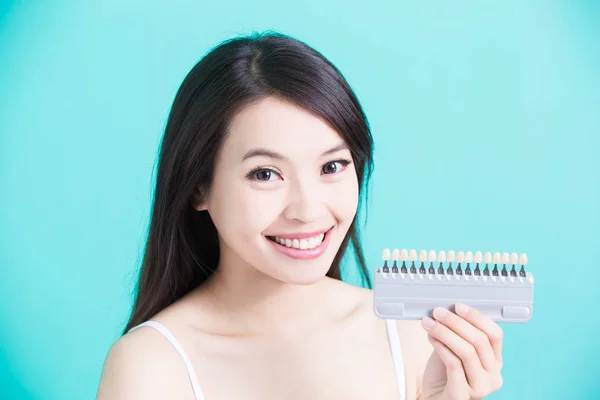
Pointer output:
242, 300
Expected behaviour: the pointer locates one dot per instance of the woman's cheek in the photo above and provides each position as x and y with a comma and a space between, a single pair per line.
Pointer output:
258, 209
345, 206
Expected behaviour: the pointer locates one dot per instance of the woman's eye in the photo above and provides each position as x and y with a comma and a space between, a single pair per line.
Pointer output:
264, 175
334, 166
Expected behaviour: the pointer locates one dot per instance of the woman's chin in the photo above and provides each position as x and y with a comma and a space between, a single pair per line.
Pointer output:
307, 279
300, 275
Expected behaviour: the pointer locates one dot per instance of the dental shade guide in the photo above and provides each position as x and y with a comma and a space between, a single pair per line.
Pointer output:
411, 288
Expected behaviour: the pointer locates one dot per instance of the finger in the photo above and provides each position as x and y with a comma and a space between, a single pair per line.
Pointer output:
471, 334
454, 368
459, 346
493, 331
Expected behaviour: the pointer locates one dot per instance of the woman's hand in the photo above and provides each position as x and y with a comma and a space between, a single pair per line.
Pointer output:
467, 357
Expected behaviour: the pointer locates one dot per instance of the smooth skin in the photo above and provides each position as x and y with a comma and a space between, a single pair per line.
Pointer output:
267, 326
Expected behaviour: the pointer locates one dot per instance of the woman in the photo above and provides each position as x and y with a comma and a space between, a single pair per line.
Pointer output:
265, 156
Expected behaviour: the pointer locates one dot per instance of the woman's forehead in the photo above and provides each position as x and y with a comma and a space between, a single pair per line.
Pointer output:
280, 127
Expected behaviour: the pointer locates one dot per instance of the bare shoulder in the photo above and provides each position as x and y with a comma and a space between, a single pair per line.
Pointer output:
143, 365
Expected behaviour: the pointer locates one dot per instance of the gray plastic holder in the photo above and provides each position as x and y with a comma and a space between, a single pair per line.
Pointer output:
413, 296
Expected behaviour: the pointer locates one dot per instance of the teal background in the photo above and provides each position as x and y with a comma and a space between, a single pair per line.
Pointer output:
486, 118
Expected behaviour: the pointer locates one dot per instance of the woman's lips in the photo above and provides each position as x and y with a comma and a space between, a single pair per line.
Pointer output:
305, 254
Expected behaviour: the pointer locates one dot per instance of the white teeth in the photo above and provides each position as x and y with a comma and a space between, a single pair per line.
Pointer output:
301, 244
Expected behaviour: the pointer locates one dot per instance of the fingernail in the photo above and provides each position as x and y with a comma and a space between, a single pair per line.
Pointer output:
428, 323
440, 312
461, 308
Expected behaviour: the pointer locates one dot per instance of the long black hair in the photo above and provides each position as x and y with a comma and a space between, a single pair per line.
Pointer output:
182, 248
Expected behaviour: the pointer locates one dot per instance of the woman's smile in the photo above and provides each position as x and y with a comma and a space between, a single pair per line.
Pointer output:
302, 245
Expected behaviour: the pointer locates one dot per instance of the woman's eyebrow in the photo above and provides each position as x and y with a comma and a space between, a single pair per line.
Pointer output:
272, 154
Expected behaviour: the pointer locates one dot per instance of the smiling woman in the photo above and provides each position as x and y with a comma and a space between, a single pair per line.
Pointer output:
293, 166
265, 157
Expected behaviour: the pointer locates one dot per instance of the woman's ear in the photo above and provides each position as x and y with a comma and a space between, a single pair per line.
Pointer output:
199, 199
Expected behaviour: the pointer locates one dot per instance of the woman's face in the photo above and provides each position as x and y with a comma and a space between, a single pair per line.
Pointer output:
284, 192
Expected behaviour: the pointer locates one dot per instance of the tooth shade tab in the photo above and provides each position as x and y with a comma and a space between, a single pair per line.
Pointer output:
395, 254
469, 256
413, 255
450, 256
423, 256
523, 259
404, 255
460, 256
514, 258
386, 254
487, 258
505, 258
442, 256
497, 258
478, 257
431, 257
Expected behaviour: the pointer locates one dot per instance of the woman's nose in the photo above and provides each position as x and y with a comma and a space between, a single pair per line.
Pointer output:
305, 203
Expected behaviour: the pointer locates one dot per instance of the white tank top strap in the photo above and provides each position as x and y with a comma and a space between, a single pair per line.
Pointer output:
169, 336
396, 350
